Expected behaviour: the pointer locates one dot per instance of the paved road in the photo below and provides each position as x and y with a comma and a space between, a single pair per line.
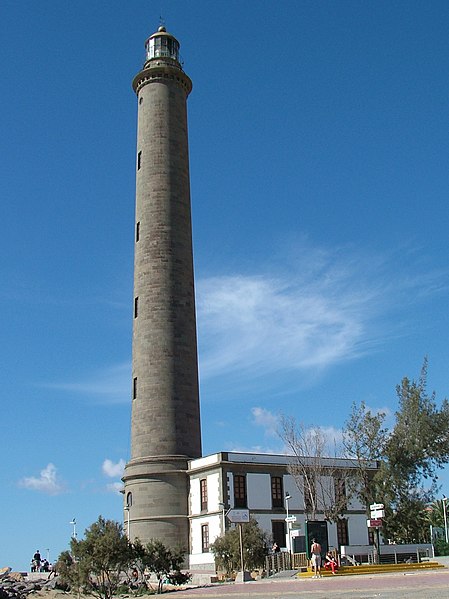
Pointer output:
416, 585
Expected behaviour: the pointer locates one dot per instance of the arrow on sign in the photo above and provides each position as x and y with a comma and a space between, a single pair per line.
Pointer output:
238, 516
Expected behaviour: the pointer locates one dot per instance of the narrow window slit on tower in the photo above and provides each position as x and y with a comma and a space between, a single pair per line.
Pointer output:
137, 231
135, 387
139, 159
136, 306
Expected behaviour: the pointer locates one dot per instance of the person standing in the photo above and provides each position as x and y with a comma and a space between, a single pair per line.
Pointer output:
315, 550
37, 561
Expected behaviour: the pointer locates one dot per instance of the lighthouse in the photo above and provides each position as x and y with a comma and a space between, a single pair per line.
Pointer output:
165, 415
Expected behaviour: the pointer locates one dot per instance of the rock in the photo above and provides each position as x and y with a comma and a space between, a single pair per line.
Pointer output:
52, 583
16, 576
14, 586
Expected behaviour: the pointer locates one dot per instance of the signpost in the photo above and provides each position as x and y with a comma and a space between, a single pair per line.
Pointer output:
377, 513
238, 517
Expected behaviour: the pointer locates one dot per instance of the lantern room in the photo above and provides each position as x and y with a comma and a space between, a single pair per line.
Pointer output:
162, 45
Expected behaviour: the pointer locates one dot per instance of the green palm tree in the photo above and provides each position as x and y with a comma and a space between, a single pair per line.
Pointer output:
435, 513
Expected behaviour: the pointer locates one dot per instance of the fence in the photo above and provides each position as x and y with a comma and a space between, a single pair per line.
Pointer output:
388, 554
278, 562
398, 556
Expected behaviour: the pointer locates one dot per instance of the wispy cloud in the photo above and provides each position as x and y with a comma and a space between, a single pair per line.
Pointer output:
116, 487
48, 482
113, 470
267, 420
300, 316
328, 308
109, 385
270, 423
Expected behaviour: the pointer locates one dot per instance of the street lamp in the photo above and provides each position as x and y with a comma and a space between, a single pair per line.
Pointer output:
126, 508
222, 506
73, 523
445, 517
287, 497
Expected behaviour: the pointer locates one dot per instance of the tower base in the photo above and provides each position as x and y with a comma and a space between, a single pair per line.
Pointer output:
156, 491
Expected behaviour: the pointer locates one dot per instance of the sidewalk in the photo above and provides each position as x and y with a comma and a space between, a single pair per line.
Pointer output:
431, 584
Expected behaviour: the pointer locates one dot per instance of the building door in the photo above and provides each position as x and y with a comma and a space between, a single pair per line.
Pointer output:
278, 532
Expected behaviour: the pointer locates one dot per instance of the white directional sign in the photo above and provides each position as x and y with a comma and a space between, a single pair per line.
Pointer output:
290, 519
295, 533
377, 514
376, 506
238, 516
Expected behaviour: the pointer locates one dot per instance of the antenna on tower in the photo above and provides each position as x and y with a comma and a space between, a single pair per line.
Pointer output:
161, 20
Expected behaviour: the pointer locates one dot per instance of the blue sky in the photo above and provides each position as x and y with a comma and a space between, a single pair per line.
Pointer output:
319, 146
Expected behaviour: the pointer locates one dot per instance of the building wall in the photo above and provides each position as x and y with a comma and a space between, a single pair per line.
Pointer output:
219, 471
213, 516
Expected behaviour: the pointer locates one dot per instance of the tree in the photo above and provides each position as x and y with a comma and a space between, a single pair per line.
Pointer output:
323, 484
100, 562
416, 449
163, 562
419, 444
364, 441
226, 549
69, 574
95, 564
435, 513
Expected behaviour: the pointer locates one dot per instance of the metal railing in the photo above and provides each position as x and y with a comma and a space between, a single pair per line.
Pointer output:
279, 562
400, 557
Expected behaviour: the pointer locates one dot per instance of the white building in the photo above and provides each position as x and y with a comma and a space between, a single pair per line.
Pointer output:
260, 483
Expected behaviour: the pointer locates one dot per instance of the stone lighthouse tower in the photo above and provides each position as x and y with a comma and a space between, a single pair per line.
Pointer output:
165, 425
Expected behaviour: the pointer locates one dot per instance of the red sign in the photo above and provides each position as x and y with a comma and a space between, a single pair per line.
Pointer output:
374, 523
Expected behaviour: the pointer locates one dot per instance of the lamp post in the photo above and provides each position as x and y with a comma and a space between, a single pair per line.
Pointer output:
73, 523
287, 497
222, 506
126, 508
445, 518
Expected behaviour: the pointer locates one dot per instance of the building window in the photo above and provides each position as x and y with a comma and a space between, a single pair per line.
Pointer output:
205, 538
203, 488
137, 231
239, 490
135, 387
136, 306
139, 159
278, 532
276, 491
129, 500
342, 532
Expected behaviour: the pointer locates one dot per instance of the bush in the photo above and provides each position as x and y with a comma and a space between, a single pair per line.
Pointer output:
441, 547
226, 549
